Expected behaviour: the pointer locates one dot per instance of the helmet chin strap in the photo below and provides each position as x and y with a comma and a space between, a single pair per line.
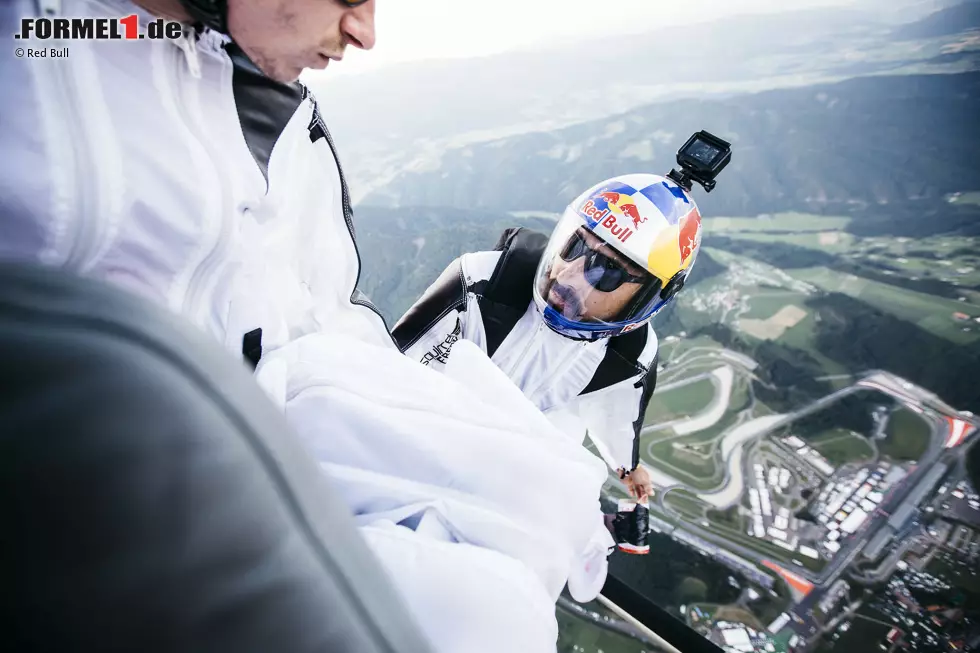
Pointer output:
212, 13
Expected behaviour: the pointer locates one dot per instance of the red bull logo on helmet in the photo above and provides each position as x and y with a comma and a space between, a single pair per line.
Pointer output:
607, 220
614, 209
689, 236
675, 247
631, 212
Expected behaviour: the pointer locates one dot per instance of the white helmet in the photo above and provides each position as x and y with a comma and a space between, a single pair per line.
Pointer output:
621, 252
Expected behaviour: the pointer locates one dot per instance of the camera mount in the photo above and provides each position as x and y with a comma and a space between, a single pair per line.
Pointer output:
702, 157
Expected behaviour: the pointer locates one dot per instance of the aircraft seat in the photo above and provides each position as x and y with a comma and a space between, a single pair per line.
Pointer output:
153, 498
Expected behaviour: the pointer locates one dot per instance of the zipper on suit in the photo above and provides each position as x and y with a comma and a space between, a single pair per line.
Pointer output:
550, 381
82, 201
88, 227
345, 203
220, 227
527, 347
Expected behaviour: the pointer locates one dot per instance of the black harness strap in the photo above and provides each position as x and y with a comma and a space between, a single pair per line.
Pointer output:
508, 292
649, 384
620, 362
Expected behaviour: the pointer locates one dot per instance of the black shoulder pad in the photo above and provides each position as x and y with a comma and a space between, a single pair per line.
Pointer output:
447, 293
648, 384
621, 361
512, 279
509, 290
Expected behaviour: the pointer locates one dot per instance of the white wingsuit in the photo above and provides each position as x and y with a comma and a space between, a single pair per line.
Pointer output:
149, 165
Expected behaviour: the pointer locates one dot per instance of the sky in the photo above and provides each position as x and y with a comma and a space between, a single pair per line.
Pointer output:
410, 30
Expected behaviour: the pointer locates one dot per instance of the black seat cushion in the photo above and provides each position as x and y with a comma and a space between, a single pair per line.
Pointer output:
153, 499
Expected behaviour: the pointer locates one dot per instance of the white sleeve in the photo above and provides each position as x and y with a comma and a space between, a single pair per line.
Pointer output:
609, 417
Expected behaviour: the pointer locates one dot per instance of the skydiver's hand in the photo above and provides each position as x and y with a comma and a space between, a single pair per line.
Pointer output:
639, 484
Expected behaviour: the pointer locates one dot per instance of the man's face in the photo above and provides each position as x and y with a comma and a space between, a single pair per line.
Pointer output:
569, 292
282, 37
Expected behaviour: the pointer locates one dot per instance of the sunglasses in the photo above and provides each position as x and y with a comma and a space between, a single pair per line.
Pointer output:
603, 273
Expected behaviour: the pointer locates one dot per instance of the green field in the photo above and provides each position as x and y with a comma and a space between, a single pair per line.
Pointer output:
702, 472
798, 222
966, 198
699, 473
953, 259
684, 401
697, 468
728, 518
907, 436
781, 639
803, 336
930, 312
836, 242
840, 446
686, 504
764, 302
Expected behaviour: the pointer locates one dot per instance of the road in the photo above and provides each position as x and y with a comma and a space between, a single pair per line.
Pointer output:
735, 468
744, 435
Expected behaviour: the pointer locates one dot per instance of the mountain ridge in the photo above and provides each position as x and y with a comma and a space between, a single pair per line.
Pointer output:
946, 21
780, 159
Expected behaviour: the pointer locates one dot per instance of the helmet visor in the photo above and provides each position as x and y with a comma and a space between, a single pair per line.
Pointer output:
589, 283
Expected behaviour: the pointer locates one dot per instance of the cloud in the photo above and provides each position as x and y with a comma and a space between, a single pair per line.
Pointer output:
438, 29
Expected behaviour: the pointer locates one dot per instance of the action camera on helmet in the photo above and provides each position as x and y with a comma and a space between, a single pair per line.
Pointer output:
703, 156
